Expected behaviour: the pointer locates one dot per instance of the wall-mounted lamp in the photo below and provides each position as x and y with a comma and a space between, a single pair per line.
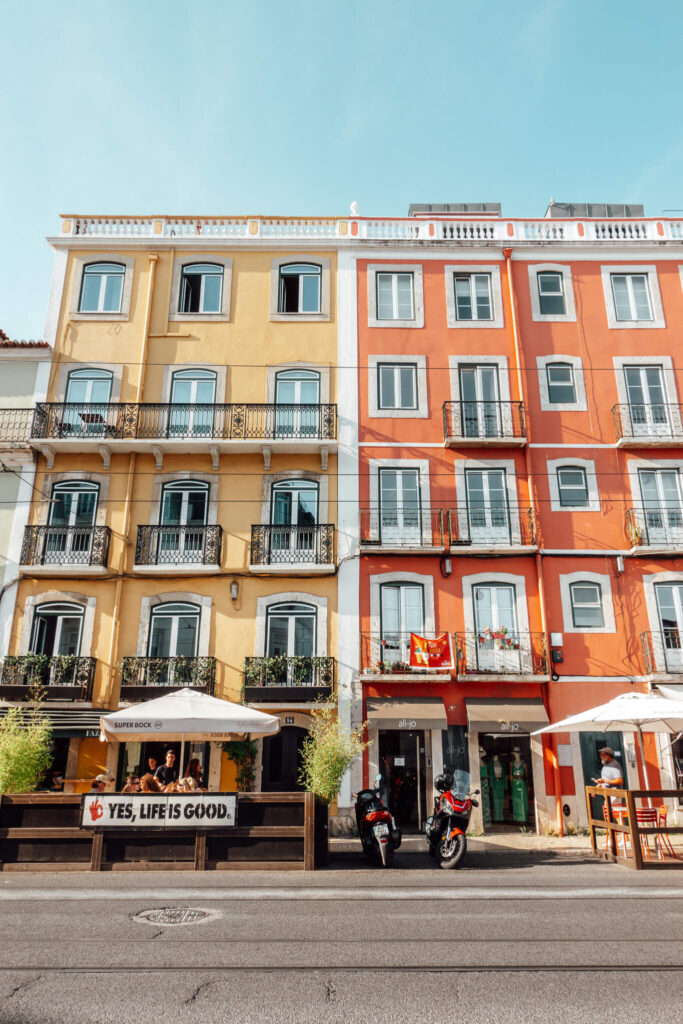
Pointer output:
234, 590
446, 567
620, 565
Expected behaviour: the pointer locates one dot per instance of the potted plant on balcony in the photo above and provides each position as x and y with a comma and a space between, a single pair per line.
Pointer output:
400, 667
64, 670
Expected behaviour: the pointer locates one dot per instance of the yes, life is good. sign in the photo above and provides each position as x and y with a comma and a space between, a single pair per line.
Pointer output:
159, 810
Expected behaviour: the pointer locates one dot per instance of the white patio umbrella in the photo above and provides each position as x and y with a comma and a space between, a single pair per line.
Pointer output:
186, 715
629, 712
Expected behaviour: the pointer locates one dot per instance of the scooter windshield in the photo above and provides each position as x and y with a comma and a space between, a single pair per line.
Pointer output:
461, 784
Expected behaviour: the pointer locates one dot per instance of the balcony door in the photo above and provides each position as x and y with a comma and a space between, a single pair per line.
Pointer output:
399, 507
291, 634
57, 630
479, 401
662, 506
294, 516
88, 393
173, 633
184, 508
647, 401
487, 506
71, 518
495, 620
297, 403
193, 394
402, 613
670, 610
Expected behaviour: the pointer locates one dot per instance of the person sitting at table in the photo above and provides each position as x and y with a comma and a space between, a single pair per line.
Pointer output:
148, 784
152, 764
167, 772
99, 783
132, 784
187, 785
194, 771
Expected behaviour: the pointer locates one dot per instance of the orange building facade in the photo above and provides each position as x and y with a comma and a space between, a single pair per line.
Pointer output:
520, 449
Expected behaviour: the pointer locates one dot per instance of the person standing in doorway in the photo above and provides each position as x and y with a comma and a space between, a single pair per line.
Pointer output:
612, 773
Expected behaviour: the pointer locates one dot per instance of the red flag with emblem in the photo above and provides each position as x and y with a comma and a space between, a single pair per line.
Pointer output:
436, 653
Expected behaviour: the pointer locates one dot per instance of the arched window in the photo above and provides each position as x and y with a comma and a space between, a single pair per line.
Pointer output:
57, 629
297, 397
102, 288
201, 288
299, 290
183, 513
193, 394
89, 386
72, 516
291, 630
174, 630
293, 516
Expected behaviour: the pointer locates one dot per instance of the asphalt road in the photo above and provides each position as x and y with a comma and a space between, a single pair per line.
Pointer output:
506, 939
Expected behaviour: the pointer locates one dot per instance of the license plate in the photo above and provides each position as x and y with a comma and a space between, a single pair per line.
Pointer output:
381, 830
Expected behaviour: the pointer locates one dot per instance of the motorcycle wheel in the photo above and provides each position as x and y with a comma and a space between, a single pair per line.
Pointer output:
452, 851
386, 855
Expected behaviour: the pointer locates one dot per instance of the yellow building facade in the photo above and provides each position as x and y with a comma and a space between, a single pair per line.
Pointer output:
183, 530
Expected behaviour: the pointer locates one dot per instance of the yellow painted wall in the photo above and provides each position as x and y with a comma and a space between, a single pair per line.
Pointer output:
228, 774
92, 756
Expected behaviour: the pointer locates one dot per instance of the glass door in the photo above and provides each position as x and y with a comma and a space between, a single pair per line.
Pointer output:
73, 507
399, 504
480, 408
661, 494
193, 394
57, 630
294, 516
670, 609
173, 634
183, 516
647, 400
297, 403
291, 636
487, 506
402, 613
87, 401
495, 617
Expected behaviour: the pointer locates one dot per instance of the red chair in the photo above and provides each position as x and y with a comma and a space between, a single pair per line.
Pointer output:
662, 812
648, 816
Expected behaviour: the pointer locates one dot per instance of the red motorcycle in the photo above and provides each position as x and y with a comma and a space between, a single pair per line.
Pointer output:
377, 828
446, 829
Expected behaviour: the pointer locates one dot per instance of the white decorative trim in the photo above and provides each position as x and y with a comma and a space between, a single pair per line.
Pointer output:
605, 584
324, 371
420, 362
650, 581
220, 370
320, 479
655, 297
297, 318
50, 479
552, 466
167, 478
498, 318
425, 581
116, 369
183, 261
418, 293
148, 603
78, 264
264, 603
54, 304
460, 470
422, 466
567, 286
668, 380
580, 405
455, 362
86, 603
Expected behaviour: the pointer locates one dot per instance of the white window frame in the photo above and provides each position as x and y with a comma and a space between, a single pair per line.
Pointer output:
569, 315
424, 581
650, 582
455, 362
179, 265
217, 271
470, 583
274, 308
290, 597
581, 404
304, 271
79, 263
420, 362
51, 479
59, 597
508, 466
422, 467
118, 272
418, 294
650, 270
396, 369
176, 597
668, 378
497, 316
605, 584
588, 466
319, 480
65, 369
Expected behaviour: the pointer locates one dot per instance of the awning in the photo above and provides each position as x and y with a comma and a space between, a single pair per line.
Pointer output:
406, 713
489, 714
670, 690
68, 722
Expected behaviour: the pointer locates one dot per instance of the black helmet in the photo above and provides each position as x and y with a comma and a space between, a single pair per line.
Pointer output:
444, 782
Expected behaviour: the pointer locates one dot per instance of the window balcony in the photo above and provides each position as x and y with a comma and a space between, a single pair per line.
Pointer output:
663, 652
387, 657
483, 424
493, 652
402, 528
60, 677
163, 675
15, 428
282, 678
292, 549
126, 427
492, 528
62, 550
647, 426
167, 549
654, 530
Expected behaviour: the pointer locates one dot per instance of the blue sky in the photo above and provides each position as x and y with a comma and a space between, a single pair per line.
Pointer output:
218, 106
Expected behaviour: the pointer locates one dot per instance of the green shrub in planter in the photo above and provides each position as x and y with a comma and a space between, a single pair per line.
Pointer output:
328, 751
24, 750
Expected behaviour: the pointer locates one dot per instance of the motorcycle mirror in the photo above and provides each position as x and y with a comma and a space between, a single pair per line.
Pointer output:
477, 791
378, 779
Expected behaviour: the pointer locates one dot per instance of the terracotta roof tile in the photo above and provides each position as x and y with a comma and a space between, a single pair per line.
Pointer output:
6, 343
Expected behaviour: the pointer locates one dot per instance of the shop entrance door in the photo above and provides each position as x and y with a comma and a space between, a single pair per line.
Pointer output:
591, 742
282, 760
509, 799
402, 767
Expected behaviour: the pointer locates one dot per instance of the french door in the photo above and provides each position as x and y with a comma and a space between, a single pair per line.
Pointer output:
73, 507
291, 634
670, 610
297, 403
399, 507
495, 618
174, 633
487, 506
193, 394
662, 506
89, 388
294, 516
479, 404
402, 613
647, 400
57, 630
183, 516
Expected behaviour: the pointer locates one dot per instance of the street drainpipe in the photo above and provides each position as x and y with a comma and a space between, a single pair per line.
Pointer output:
507, 253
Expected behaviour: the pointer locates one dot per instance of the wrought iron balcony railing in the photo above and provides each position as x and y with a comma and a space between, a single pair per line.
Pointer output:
292, 545
15, 427
501, 652
484, 423
179, 545
655, 527
389, 654
297, 671
405, 526
169, 672
63, 672
65, 545
111, 421
662, 651
491, 526
651, 423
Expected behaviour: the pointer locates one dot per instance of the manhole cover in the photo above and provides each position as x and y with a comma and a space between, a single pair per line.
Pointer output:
175, 915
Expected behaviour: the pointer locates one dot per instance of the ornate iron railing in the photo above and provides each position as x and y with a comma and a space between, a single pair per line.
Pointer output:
655, 527
292, 545
662, 650
65, 545
125, 421
41, 670
297, 670
15, 427
389, 654
405, 526
179, 545
643, 422
175, 671
501, 652
483, 422
497, 526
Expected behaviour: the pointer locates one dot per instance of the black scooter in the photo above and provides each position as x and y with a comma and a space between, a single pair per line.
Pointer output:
377, 828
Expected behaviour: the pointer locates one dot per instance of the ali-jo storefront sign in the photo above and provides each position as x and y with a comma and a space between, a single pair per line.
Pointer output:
159, 810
